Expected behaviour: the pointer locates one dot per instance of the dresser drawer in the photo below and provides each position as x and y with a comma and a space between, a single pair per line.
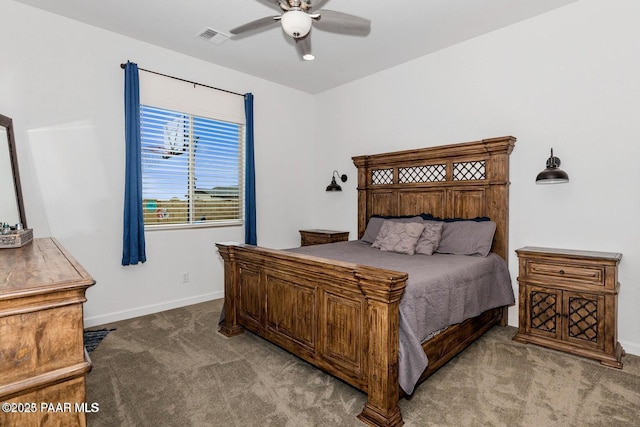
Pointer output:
567, 272
40, 342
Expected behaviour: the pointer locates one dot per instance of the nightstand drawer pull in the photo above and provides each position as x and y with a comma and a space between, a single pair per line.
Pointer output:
561, 271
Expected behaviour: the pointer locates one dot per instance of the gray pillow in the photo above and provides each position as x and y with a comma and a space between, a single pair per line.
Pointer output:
375, 223
430, 237
467, 238
400, 237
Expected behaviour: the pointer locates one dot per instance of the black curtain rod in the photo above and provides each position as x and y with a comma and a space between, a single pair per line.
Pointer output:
186, 81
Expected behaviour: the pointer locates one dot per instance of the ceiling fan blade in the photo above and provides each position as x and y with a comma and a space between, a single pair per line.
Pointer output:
254, 25
317, 4
343, 23
303, 45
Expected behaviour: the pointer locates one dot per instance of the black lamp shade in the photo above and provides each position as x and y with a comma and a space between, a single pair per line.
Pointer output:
334, 186
552, 174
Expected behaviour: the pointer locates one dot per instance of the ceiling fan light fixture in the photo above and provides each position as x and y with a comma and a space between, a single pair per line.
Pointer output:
296, 23
298, 16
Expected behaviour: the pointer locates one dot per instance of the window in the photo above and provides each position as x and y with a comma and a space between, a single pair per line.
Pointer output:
192, 140
191, 168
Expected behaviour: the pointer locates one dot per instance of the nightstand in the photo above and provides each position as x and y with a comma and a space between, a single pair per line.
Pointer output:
319, 237
568, 301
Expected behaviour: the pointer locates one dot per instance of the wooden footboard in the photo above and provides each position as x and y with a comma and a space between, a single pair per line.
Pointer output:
340, 317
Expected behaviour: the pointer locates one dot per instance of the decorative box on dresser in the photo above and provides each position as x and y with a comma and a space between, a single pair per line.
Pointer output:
319, 237
568, 301
43, 361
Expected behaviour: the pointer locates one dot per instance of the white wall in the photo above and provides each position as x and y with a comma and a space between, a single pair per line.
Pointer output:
62, 84
567, 79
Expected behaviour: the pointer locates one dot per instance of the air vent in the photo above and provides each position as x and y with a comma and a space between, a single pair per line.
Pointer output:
213, 36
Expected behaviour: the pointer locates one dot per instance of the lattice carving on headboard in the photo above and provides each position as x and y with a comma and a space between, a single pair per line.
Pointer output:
429, 173
469, 171
382, 176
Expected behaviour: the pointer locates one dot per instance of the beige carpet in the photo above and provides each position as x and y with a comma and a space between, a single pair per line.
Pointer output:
174, 369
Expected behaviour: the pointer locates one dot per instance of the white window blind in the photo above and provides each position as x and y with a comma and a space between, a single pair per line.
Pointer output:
192, 158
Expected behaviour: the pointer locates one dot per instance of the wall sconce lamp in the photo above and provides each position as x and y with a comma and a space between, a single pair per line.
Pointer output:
552, 174
334, 186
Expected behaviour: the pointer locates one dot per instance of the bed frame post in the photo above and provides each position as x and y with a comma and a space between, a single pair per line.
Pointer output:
230, 326
363, 213
498, 190
383, 305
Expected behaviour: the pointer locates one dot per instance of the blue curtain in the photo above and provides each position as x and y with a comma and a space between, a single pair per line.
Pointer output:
250, 233
133, 250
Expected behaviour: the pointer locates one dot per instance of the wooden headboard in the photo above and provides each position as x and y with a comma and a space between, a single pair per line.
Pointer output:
464, 180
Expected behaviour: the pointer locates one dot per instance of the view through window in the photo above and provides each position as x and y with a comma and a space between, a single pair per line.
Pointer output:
192, 168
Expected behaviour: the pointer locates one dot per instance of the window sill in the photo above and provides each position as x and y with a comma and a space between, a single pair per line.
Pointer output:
160, 227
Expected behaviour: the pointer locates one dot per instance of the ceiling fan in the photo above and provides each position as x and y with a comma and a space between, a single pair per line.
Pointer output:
297, 17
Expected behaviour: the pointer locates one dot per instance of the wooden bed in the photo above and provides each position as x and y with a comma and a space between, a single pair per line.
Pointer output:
344, 317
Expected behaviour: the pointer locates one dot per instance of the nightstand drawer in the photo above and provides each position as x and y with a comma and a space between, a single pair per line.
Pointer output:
592, 275
319, 237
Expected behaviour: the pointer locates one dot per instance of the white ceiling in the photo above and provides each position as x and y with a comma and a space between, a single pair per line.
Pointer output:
401, 30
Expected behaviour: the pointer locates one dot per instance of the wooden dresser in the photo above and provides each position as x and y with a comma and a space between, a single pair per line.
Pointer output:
568, 300
319, 237
43, 362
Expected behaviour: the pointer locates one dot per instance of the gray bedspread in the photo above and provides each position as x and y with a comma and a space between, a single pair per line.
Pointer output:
442, 290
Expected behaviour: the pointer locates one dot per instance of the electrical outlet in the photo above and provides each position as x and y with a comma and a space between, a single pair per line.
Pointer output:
185, 277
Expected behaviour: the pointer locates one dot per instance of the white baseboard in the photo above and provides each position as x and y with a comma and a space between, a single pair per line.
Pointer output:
90, 322
630, 348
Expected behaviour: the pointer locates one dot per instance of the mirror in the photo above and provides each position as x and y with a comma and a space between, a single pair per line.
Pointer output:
11, 205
